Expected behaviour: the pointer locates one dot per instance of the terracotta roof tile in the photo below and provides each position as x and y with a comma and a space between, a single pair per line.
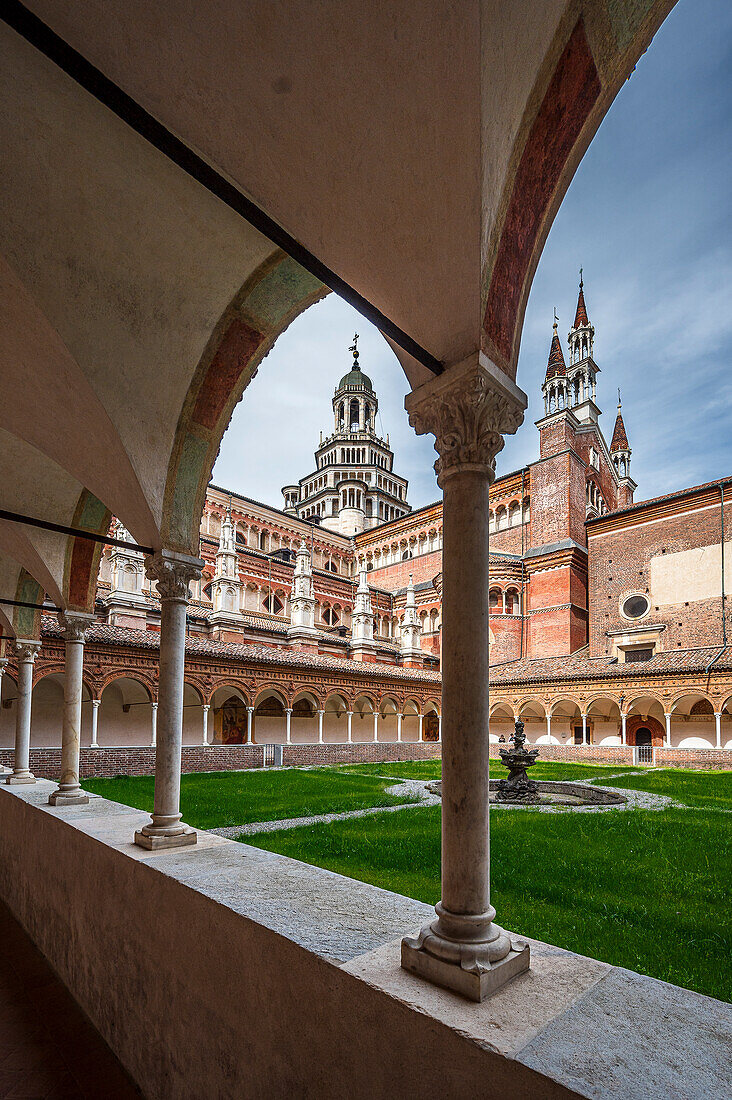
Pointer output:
580, 317
620, 439
556, 364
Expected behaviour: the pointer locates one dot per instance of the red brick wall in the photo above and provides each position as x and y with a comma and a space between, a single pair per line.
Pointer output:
46, 763
619, 563
588, 754
506, 630
508, 541
423, 568
693, 758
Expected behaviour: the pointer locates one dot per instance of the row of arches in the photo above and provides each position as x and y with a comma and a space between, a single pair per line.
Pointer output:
124, 714
509, 515
426, 541
689, 720
505, 602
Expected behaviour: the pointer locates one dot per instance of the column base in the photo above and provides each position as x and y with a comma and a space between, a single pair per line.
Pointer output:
68, 798
157, 842
22, 777
466, 974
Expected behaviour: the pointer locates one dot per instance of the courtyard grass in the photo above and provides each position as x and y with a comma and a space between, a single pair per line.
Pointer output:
549, 769
646, 890
211, 800
704, 790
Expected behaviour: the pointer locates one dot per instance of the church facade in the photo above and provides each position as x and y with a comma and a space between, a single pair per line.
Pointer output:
320, 623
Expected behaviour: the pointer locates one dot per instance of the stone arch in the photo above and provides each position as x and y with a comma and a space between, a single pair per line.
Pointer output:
125, 711
603, 716
501, 722
637, 722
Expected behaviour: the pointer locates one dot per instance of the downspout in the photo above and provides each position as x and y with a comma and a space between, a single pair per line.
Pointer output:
707, 670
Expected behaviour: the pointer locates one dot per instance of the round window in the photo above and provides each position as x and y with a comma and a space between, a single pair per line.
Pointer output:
635, 606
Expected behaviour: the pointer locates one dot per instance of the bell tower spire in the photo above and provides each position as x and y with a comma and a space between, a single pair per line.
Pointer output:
554, 387
582, 370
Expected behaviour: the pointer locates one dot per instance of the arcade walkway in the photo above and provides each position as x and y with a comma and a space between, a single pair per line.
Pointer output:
48, 1048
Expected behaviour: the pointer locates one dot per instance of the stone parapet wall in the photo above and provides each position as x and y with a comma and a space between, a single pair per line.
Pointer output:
46, 763
693, 758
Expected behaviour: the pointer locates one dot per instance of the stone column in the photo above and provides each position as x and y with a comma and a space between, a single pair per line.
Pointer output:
376, 725
585, 739
622, 729
419, 737
288, 725
320, 726
250, 715
26, 651
718, 728
439, 727
96, 703
3, 666
172, 573
69, 792
153, 725
350, 726
206, 709
668, 729
467, 408
548, 725
399, 726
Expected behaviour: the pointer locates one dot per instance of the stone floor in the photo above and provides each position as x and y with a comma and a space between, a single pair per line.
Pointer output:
48, 1048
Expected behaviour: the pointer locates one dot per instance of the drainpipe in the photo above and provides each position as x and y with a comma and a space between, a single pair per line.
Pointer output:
707, 670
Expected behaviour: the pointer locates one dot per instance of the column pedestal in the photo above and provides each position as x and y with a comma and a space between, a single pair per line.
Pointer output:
466, 408
172, 572
26, 651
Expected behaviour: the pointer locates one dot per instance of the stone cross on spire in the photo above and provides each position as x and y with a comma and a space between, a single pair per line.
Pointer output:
354, 348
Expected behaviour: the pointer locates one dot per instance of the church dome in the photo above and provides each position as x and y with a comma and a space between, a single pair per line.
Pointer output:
356, 377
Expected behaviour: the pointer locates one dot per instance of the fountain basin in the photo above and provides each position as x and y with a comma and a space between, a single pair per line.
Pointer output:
554, 793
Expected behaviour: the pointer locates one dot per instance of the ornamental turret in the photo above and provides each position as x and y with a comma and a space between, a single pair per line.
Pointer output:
226, 584
362, 621
411, 630
620, 453
302, 602
555, 380
126, 602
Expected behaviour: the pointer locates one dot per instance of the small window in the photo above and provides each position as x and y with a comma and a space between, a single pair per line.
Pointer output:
273, 604
632, 656
635, 607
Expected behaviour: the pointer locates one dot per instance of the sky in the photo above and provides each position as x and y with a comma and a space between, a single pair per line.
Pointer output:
647, 217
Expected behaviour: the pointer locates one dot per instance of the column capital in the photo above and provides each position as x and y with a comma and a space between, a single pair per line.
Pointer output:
173, 573
250, 708
468, 409
26, 649
96, 703
3, 664
75, 624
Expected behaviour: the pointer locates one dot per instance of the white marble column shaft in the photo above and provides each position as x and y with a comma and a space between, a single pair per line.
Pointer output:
26, 651
96, 703
69, 792
350, 726
399, 727
250, 715
623, 738
153, 725
172, 573
3, 666
466, 408
585, 738
718, 729
205, 723
320, 727
376, 725
288, 725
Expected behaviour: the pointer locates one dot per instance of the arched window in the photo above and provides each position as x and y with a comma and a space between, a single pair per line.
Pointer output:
263, 536
496, 601
353, 416
512, 601
273, 604
331, 617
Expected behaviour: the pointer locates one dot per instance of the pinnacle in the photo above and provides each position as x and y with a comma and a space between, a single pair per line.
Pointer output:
556, 364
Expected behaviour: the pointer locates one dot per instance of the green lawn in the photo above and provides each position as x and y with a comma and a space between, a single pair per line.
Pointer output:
702, 789
645, 890
432, 769
211, 800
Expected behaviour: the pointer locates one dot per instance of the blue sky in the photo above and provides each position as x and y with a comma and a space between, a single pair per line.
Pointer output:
648, 218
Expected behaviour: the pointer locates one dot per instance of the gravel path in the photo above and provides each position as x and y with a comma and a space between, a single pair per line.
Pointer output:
640, 800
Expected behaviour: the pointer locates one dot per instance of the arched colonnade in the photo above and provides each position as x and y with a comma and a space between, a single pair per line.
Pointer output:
688, 719
121, 712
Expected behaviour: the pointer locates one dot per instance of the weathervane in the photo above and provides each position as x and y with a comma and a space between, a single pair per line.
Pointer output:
556, 319
580, 278
354, 349
619, 401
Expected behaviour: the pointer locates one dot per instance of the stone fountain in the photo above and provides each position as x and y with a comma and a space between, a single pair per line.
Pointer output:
518, 788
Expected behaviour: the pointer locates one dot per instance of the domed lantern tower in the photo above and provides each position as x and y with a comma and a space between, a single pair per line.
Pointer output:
353, 487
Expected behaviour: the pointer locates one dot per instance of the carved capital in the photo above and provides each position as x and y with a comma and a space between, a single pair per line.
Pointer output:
75, 625
26, 649
173, 573
468, 409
